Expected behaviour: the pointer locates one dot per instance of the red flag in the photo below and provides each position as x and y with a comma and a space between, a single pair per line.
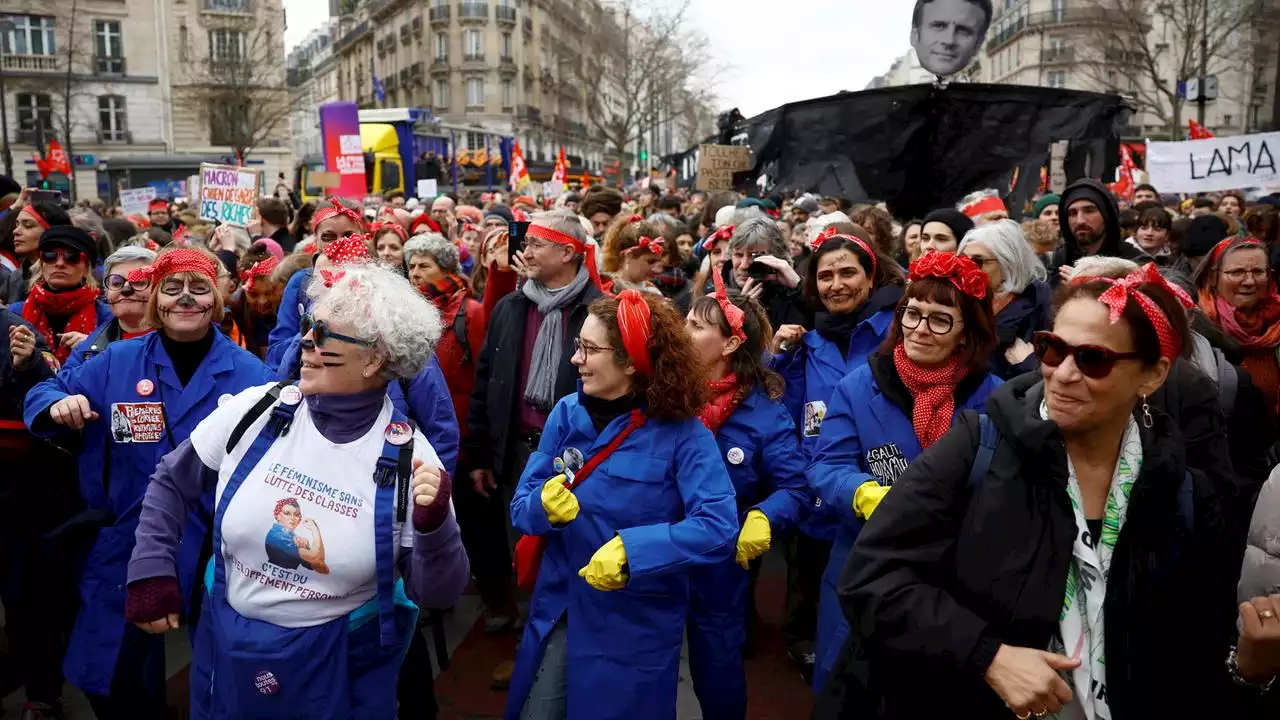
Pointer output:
1198, 131
1124, 187
58, 161
561, 173
519, 170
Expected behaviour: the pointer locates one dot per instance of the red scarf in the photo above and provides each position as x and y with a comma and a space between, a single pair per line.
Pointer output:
725, 398
934, 391
80, 304
442, 291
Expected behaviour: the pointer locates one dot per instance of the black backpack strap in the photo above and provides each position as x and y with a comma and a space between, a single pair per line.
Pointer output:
404, 474
987, 442
460, 332
254, 413
1228, 383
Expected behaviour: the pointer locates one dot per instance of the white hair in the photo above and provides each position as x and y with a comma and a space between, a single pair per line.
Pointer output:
724, 216
380, 305
820, 222
1018, 263
128, 253
741, 215
1102, 266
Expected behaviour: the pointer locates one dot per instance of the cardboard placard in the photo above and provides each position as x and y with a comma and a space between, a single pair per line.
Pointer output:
324, 179
227, 193
1225, 163
134, 201
718, 163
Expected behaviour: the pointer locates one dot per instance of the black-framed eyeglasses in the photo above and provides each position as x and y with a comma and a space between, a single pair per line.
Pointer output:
118, 282
587, 349
321, 334
938, 323
69, 256
1093, 361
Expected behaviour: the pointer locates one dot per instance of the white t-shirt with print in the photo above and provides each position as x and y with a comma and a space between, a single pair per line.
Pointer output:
298, 536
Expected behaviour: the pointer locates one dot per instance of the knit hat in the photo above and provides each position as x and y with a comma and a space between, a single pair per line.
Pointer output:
500, 211
808, 205
1202, 234
72, 238
958, 222
1044, 202
750, 202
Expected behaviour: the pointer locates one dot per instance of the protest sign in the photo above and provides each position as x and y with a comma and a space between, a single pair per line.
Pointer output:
1223, 163
343, 152
134, 201
228, 194
718, 163
552, 189
427, 189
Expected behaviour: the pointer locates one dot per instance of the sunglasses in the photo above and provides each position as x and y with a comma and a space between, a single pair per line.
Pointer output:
1093, 361
70, 257
321, 334
119, 282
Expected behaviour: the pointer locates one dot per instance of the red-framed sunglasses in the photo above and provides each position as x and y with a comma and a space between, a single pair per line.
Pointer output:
1093, 361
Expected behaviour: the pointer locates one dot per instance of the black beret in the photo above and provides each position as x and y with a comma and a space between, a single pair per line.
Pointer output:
72, 237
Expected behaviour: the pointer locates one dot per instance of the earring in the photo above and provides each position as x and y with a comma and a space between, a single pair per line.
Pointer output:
1147, 421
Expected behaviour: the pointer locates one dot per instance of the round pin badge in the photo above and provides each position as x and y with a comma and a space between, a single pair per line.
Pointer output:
145, 387
266, 683
291, 395
398, 433
223, 398
573, 459
735, 456
558, 464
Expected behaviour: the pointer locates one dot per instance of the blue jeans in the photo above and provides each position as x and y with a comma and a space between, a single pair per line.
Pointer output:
548, 698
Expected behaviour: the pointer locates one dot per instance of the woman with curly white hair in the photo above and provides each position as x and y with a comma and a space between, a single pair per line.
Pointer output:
332, 520
1020, 297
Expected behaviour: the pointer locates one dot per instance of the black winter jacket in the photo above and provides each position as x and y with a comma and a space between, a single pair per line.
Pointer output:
941, 576
14, 384
1112, 245
498, 388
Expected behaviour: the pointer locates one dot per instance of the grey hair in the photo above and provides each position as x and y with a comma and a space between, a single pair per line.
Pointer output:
741, 215
1008, 244
663, 220
88, 221
1102, 266
569, 223
128, 253
435, 246
380, 305
759, 231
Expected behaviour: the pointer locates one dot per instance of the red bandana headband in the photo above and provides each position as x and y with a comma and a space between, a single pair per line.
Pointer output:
633, 324
183, 260
542, 232
978, 208
180, 235
830, 234
647, 244
960, 270
1221, 247
393, 227
470, 227
157, 205
352, 248
337, 209
262, 268
732, 313
35, 215
1126, 288
142, 274
723, 232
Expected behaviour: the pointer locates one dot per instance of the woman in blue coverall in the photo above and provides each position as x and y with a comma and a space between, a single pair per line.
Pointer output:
629, 493
853, 291
133, 403
885, 413
757, 439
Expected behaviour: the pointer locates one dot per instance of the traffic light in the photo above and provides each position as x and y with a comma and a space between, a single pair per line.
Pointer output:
644, 157
44, 185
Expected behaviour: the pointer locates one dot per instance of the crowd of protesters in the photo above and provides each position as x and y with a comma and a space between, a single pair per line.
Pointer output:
1014, 469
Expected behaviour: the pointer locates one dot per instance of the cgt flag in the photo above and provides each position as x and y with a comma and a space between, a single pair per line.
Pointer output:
519, 171
1198, 131
561, 173
57, 162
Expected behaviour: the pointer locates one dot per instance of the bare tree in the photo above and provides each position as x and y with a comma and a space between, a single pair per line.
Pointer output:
241, 85
642, 65
1145, 49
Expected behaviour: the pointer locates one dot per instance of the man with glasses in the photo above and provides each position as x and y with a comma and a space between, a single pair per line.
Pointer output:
523, 370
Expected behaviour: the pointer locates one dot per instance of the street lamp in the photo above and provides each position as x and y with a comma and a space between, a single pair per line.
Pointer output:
6, 27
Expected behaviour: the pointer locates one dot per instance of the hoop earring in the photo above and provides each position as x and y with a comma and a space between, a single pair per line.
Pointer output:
1147, 421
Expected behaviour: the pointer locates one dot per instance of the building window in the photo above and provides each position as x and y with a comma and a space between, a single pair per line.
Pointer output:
241, 6
31, 35
108, 48
442, 46
228, 122
508, 94
441, 96
475, 92
1057, 78
505, 46
33, 108
227, 45
111, 118
472, 44
184, 43
475, 140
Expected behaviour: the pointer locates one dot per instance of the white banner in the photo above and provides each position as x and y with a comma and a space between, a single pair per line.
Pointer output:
134, 201
427, 190
1226, 163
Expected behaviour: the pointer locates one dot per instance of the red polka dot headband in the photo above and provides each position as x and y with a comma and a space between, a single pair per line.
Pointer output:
337, 209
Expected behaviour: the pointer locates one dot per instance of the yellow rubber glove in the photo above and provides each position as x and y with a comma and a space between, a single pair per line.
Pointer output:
867, 498
604, 572
558, 501
755, 537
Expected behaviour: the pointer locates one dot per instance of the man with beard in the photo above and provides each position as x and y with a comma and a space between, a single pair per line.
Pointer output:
1090, 224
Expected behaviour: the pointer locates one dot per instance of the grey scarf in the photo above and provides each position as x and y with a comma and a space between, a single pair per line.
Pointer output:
548, 347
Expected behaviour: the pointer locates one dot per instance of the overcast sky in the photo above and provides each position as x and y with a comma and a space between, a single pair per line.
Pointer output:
779, 51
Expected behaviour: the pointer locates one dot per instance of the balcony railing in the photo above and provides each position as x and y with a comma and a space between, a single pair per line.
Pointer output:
439, 15
115, 136
530, 113
29, 63
108, 65
473, 11
227, 6
353, 35
1057, 55
506, 14
473, 57
1052, 18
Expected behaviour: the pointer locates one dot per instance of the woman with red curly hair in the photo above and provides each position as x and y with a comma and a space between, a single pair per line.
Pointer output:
626, 494
633, 249
932, 365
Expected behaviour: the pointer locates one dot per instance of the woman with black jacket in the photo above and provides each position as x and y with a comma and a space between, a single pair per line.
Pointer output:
1010, 561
